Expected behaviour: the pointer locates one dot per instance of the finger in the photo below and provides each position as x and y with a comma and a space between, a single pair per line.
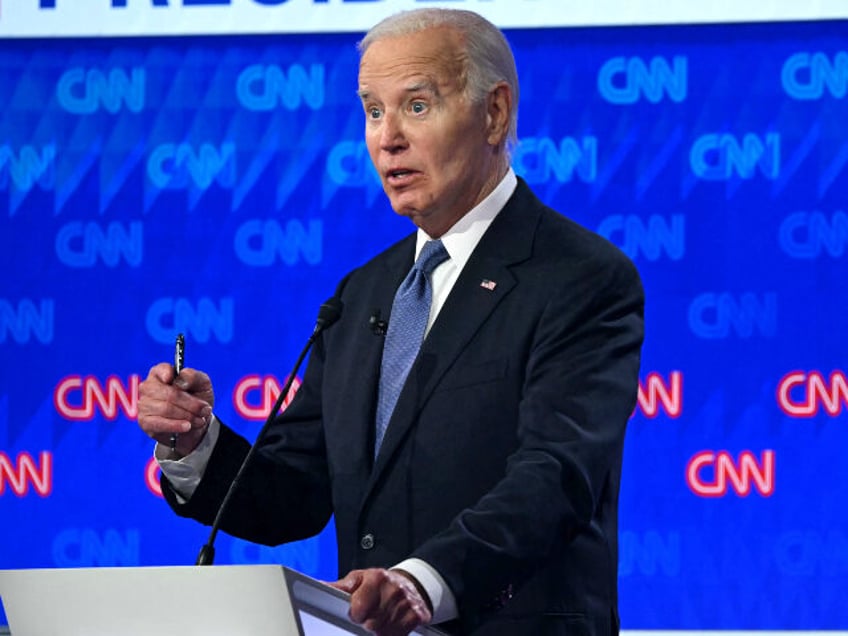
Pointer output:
191, 379
349, 583
365, 599
155, 425
402, 606
172, 421
164, 409
169, 419
162, 372
155, 394
397, 625
196, 383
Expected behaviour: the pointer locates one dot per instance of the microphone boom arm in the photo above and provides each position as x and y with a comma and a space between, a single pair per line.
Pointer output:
328, 314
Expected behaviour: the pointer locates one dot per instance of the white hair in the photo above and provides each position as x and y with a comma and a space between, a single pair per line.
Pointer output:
490, 58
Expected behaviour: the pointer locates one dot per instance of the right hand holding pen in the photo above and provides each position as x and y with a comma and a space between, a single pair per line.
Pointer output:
182, 406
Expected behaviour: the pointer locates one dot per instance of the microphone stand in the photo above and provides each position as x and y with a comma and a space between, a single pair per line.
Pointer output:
328, 314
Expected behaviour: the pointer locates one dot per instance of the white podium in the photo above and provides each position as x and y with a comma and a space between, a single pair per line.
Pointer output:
254, 600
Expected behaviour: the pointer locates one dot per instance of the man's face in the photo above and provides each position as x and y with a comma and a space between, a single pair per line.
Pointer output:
433, 149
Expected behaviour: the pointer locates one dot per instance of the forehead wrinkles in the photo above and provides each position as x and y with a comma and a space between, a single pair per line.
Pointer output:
439, 62
405, 79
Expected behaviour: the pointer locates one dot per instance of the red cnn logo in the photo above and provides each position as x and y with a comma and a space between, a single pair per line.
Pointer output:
268, 389
743, 475
77, 398
801, 394
24, 471
655, 394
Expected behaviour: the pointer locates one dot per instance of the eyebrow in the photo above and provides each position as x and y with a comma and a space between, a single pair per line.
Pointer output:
423, 85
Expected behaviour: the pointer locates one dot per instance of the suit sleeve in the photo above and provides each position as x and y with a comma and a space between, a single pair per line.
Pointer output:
284, 495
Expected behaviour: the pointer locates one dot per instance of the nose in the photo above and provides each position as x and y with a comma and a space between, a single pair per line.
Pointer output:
392, 137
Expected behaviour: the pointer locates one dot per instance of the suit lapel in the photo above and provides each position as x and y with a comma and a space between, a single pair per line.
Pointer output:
364, 362
507, 241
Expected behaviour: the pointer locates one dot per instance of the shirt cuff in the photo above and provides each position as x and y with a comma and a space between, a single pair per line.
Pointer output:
441, 596
185, 473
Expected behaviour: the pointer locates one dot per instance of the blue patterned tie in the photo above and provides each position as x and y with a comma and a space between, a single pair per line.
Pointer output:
407, 323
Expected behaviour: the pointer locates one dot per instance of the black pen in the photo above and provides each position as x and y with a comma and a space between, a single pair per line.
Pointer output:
179, 360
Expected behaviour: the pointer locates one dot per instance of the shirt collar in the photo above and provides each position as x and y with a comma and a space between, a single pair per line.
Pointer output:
461, 239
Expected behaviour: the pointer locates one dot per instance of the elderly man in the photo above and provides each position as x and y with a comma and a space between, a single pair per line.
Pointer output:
472, 456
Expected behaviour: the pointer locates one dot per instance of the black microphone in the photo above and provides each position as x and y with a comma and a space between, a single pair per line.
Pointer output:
328, 314
378, 327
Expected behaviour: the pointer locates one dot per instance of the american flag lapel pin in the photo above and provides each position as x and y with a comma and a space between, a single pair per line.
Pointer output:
488, 284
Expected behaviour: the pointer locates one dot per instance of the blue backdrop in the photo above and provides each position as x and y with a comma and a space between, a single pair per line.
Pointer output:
220, 187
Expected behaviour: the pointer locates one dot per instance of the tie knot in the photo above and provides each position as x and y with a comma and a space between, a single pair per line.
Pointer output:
432, 255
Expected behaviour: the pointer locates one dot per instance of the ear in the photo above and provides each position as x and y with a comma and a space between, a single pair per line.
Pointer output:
498, 112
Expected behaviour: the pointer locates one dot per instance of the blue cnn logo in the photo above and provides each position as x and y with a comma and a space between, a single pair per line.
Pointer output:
811, 552
86, 547
652, 238
649, 554
349, 165
716, 316
718, 157
181, 166
27, 167
624, 80
81, 244
203, 320
541, 159
84, 91
26, 321
262, 243
806, 75
806, 235
303, 555
261, 88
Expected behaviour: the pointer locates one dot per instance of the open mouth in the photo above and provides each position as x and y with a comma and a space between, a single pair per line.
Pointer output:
396, 175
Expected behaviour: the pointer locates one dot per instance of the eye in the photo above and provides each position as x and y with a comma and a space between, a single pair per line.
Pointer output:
418, 107
373, 112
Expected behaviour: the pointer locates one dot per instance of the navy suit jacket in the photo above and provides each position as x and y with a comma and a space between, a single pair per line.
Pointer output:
502, 460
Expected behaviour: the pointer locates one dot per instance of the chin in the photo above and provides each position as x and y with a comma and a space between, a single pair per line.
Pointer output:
403, 206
